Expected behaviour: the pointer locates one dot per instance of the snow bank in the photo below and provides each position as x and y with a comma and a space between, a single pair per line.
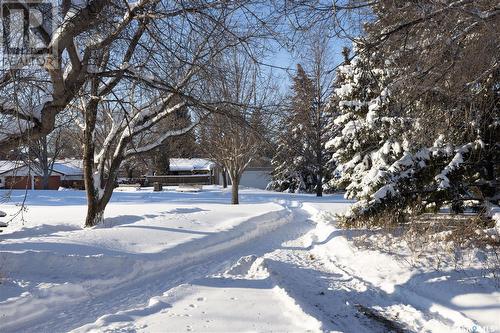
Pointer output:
63, 265
188, 262
420, 296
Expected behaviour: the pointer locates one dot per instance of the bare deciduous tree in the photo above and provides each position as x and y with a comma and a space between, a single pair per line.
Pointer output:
233, 137
43, 153
155, 70
86, 27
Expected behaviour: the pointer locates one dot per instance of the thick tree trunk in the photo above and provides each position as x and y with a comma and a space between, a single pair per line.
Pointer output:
98, 190
235, 182
95, 213
97, 200
319, 185
234, 193
224, 178
98, 194
45, 180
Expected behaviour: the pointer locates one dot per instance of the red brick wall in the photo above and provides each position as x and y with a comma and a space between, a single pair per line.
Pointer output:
54, 182
18, 182
24, 182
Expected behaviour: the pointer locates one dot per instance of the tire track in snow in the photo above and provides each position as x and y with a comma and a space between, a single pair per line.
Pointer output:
254, 302
179, 265
328, 295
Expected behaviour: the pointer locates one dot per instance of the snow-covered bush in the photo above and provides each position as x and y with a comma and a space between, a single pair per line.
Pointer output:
391, 158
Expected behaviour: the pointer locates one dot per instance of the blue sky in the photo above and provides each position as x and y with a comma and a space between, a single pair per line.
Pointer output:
285, 62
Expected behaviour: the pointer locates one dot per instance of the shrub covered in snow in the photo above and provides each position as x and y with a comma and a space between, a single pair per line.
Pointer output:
389, 158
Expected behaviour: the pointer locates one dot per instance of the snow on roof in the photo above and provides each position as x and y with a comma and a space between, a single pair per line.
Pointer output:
72, 167
77, 163
190, 164
68, 167
65, 167
6, 166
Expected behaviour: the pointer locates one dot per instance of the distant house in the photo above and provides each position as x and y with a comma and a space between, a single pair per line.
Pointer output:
69, 173
19, 175
205, 172
256, 175
186, 171
72, 171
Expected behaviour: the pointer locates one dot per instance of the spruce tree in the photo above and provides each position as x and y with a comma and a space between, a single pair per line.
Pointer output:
366, 135
300, 154
401, 153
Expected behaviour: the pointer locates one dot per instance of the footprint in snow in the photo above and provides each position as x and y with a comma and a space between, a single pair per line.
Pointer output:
201, 299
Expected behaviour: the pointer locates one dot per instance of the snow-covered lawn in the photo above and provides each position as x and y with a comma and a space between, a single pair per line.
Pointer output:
172, 262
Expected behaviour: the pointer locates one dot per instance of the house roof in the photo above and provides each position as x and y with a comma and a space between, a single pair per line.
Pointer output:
6, 166
63, 167
68, 167
190, 164
74, 167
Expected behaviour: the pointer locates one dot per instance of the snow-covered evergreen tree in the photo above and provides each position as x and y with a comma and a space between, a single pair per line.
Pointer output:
365, 138
300, 155
396, 162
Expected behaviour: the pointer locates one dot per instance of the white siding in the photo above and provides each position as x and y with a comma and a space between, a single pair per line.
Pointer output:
257, 179
253, 178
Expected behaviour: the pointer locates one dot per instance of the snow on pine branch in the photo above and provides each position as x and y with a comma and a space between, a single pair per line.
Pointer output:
455, 163
379, 184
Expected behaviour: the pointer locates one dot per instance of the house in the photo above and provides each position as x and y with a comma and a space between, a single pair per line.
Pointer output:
205, 172
256, 175
69, 173
72, 171
22, 175
186, 171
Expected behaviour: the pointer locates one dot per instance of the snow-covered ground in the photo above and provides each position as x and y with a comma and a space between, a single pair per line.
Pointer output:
174, 262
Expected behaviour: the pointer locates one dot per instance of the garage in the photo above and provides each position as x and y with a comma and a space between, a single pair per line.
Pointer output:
16, 175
